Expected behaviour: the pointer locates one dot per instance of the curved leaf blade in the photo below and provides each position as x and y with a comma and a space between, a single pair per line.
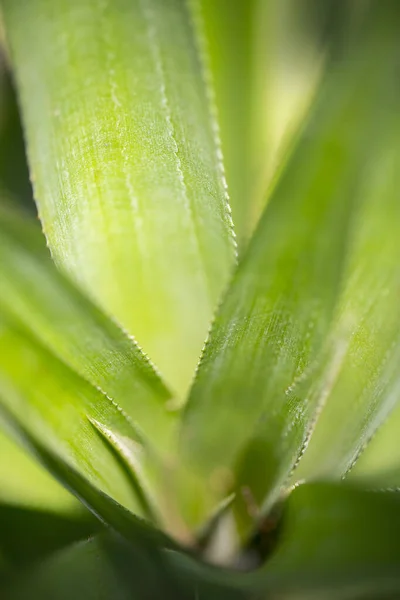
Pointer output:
53, 311
336, 542
125, 163
264, 60
89, 491
87, 570
366, 386
225, 36
27, 535
248, 419
379, 463
25, 484
51, 402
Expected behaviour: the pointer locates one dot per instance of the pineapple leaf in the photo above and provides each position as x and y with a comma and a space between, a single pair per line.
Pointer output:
103, 506
355, 561
58, 408
264, 61
83, 571
248, 416
87, 571
365, 387
26, 484
336, 542
379, 463
45, 304
106, 567
291, 41
27, 535
60, 351
225, 32
14, 176
126, 163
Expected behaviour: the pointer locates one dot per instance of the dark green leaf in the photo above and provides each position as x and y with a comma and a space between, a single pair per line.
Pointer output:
337, 542
27, 535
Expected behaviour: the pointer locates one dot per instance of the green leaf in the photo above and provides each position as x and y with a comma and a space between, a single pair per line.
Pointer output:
47, 328
27, 535
105, 388
379, 463
103, 506
263, 60
50, 309
225, 32
55, 404
249, 413
14, 177
365, 386
336, 542
85, 571
325, 550
291, 42
126, 164
24, 483
107, 568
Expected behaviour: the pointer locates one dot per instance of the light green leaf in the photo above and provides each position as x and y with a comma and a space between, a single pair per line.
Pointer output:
62, 407
225, 32
249, 412
264, 60
104, 386
56, 405
126, 163
24, 483
104, 506
291, 41
365, 386
379, 463
51, 310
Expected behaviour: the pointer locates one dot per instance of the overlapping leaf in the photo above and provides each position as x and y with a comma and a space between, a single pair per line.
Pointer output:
126, 163
107, 568
27, 535
337, 542
47, 306
366, 386
225, 33
264, 59
14, 178
334, 541
60, 358
325, 548
379, 464
291, 41
90, 486
249, 412
24, 483
84, 570
57, 405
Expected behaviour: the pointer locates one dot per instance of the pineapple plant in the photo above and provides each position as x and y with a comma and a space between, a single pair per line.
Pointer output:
200, 334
